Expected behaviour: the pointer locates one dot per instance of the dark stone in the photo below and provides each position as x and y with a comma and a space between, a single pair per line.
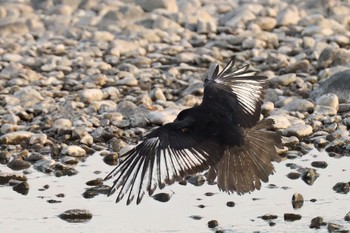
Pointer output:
183, 182
162, 197
52, 201
347, 217
209, 194
269, 217
213, 223
111, 159
61, 195
333, 227
310, 176
96, 190
317, 222
319, 164
293, 175
230, 204
76, 215
89, 194
291, 217
18, 164
297, 201
22, 188
342, 187
95, 182
196, 180
196, 217
6, 177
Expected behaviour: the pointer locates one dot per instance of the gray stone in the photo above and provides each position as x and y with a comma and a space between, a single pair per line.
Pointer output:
206, 23
267, 107
163, 117
238, 17
103, 36
338, 84
28, 97
75, 151
288, 16
18, 28
18, 137
284, 80
62, 124
39, 138
129, 80
157, 94
299, 130
89, 95
150, 5
300, 105
327, 104
266, 23
280, 122
18, 164
166, 24
126, 48
195, 88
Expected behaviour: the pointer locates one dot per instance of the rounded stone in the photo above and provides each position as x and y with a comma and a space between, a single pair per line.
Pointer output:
18, 164
299, 130
75, 151
76, 215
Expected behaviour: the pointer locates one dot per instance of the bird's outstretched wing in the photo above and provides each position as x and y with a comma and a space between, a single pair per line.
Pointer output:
166, 155
238, 90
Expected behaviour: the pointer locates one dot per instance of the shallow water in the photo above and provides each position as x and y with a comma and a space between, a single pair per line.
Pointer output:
32, 213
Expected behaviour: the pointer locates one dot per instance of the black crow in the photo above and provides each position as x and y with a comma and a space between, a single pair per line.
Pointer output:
221, 134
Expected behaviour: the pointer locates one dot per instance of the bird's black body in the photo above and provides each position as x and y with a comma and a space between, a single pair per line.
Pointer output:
221, 134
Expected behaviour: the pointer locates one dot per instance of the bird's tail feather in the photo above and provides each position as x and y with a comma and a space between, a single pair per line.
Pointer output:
242, 168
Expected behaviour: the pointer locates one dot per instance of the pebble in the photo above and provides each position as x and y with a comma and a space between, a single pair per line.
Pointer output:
18, 164
163, 117
309, 176
62, 124
342, 187
5, 177
284, 80
347, 217
22, 188
300, 105
75, 151
162, 197
338, 84
76, 215
280, 122
18, 137
317, 222
319, 164
299, 130
297, 200
291, 217
269, 217
327, 104
90, 95
334, 227
213, 223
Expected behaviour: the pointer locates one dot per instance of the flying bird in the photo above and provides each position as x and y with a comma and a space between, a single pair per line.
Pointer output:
222, 134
